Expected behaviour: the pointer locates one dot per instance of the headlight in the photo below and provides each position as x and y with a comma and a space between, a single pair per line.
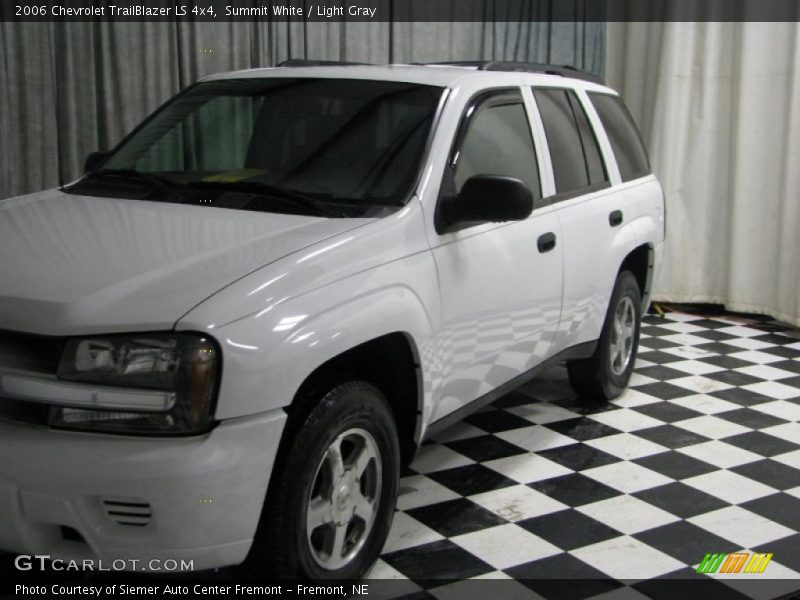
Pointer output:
175, 375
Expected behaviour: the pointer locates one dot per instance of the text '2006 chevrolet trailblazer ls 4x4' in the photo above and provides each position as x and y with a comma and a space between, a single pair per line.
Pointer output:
223, 341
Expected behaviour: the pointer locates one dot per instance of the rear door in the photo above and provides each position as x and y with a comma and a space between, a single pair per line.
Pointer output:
500, 284
590, 212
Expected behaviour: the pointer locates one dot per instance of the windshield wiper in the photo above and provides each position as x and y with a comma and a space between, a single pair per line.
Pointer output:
265, 189
154, 182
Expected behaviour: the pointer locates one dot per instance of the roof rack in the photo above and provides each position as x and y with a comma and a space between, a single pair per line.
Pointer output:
302, 62
562, 70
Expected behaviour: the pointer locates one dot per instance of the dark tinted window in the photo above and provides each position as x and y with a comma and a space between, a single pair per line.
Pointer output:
577, 162
356, 142
498, 142
624, 137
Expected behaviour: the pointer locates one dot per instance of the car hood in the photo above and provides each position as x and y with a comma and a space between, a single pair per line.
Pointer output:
72, 265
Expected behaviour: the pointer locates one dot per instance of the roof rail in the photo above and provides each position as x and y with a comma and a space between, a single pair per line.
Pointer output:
562, 70
302, 62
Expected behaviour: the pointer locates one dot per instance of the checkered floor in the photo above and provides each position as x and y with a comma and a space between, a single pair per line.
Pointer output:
701, 455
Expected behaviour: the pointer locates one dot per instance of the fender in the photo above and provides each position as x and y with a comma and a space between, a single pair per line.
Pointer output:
269, 356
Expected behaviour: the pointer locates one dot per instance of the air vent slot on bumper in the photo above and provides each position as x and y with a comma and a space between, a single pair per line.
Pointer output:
128, 512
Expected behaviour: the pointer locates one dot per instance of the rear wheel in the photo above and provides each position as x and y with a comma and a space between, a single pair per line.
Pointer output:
606, 374
332, 498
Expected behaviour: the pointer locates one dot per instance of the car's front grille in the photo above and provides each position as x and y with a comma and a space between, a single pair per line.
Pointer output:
31, 353
27, 353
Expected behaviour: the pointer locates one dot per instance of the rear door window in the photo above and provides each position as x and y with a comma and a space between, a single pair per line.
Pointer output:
577, 163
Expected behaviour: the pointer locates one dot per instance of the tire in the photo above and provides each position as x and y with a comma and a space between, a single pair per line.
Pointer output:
605, 375
305, 495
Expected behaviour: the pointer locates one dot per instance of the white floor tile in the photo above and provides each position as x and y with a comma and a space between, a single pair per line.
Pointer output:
730, 487
780, 409
700, 384
720, 454
705, 404
711, 427
641, 561
741, 526
625, 419
694, 367
788, 431
419, 490
543, 412
518, 502
437, 458
790, 459
535, 438
407, 532
626, 446
628, 514
526, 468
506, 545
765, 372
627, 477
756, 357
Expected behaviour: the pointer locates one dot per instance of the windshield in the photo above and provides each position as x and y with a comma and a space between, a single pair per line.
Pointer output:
355, 143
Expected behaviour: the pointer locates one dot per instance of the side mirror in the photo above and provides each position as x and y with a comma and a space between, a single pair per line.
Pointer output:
93, 160
485, 199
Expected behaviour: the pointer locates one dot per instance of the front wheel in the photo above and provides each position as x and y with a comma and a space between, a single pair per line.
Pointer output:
332, 498
606, 374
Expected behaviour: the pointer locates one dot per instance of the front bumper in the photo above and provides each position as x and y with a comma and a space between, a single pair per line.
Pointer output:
136, 499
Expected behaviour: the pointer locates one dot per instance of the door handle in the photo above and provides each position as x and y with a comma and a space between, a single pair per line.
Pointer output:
546, 242
615, 218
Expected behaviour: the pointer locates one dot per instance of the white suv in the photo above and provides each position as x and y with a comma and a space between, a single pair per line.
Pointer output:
222, 343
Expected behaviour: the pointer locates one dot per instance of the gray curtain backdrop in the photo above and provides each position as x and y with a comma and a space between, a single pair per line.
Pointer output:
67, 89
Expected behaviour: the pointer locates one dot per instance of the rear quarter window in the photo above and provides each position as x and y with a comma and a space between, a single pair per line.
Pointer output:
626, 142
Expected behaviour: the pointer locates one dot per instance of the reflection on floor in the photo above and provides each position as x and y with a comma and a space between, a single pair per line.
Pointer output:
701, 455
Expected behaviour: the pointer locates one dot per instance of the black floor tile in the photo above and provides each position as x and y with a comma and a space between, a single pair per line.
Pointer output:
771, 473
582, 429
471, 479
748, 417
741, 396
660, 358
780, 508
657, 343
485, 448
680, 500
687, 584
441, 561
782, 351
667, 411
714, 335
661, 372
454, 517
671, 436
546, 578
786, 551
787, 365
578, 457
732, 378
719, 348
684, 541
762, 443
675, 465
776, 338
663, 390
727, 362
575, 489
495, 421
569, 529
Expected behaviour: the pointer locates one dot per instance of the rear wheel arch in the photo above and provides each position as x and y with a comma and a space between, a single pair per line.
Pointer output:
640, 262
